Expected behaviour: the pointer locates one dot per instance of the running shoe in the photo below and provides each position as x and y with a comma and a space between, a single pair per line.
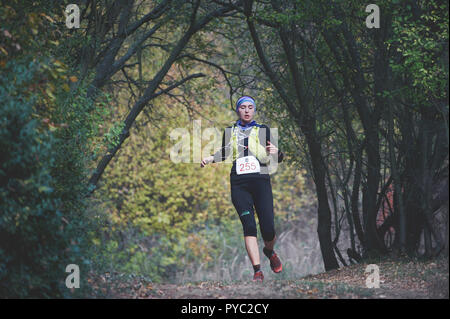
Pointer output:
258, 276
275, 263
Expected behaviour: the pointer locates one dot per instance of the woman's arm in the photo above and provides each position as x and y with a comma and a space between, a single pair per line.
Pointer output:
221, 154
269, 140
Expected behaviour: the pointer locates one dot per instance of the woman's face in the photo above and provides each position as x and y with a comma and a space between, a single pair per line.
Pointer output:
246, 111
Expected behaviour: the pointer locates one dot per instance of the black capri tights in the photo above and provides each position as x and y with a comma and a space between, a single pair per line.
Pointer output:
257, 192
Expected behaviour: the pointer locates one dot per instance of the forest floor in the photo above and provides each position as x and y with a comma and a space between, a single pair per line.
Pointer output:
399, 279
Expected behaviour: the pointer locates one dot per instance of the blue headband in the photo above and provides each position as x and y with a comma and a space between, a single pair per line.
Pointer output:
245, 99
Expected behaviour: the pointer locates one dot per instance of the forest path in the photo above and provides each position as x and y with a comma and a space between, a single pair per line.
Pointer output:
398, 280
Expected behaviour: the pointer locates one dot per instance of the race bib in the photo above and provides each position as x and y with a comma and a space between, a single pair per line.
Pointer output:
246, 165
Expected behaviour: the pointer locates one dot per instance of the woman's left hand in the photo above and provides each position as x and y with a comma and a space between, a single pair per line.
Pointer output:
271, 149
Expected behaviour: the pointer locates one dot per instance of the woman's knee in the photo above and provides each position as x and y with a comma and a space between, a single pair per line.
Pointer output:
268, 235
249, 224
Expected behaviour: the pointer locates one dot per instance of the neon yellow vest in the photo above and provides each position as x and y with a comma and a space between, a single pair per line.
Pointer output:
254, 145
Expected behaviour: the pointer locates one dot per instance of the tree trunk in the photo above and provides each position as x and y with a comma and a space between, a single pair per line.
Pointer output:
323, 212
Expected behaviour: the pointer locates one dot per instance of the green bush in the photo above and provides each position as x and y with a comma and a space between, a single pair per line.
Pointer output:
44, 224
32, 236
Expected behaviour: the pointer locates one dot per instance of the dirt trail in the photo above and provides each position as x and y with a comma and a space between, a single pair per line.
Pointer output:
405, 280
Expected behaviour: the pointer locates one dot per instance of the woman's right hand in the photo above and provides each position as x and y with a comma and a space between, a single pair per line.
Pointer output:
207, 160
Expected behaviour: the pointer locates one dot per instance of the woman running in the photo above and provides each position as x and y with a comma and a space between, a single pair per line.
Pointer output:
252, 150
